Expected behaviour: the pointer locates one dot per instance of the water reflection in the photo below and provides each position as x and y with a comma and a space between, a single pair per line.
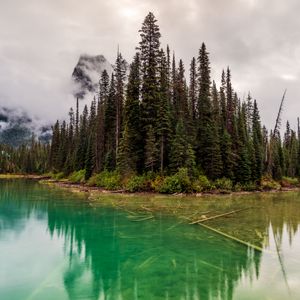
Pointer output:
108, 256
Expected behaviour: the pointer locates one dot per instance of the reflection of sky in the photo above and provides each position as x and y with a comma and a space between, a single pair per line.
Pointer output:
58, 247
278, 273
27, 258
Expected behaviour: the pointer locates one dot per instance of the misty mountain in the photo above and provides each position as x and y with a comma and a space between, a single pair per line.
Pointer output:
16, 127
87, 73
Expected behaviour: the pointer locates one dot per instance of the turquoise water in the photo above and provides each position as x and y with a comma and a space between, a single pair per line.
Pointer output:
59, 245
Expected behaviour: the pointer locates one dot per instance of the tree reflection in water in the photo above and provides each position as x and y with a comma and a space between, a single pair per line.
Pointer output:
111, 257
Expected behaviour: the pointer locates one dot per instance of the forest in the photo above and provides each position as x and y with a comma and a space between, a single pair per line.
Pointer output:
154, 128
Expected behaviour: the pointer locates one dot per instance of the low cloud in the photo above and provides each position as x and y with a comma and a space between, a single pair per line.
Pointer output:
41, 41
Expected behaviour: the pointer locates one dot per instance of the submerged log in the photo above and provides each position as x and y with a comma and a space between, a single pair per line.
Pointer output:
219, 216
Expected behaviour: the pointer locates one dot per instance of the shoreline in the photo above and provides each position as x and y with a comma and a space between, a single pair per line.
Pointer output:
81, 187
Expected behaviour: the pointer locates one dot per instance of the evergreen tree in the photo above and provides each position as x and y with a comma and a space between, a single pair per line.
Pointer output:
132, 120
243, 168
120, 73
164, 130
100, 118
182, 154
257, 144
110, 127
208, 148
193, 89
151, 150
82, 140
149, 47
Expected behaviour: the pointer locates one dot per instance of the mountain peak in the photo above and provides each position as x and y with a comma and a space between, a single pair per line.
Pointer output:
87, 72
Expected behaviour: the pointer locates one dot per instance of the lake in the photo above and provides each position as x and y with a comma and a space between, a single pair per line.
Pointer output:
56, 245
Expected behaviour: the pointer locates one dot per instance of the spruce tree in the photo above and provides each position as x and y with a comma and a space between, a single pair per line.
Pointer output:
164, 129
181, 154
100, 119
257, 144
149, 47
151, 150
120, 73
110, 127
132, 119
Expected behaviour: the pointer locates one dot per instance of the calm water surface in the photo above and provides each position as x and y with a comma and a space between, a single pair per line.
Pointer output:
58, 245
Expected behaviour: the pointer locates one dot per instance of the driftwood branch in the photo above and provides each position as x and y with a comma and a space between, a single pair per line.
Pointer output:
219, 216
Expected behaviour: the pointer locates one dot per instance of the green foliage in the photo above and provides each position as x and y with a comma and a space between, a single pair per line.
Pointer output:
223, 184
138, 184
268, 184
58, 176
249, 187
110, 180
154, 122
77, 176
202, 184
237, 187
289, 182
177, 183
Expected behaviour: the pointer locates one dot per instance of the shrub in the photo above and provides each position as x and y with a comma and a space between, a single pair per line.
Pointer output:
94, 180
202, 184
289, 182
268, 184
138, 184
224, 184
77, 176
157, 183
177, 183
249, 187
106, 179
237, 187
57, 176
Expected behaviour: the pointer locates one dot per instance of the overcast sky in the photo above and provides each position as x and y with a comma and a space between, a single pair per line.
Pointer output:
41, 40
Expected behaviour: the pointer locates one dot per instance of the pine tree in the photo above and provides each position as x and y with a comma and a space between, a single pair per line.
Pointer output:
89, 158
55, 145
230, 109
70, 160
125, 163
120, 73
132, 119
82, 140
110, 127
100, 126
243, 168
164, 130
208, 148
257, 144
193, 89
149, 47
151, 150
182, 154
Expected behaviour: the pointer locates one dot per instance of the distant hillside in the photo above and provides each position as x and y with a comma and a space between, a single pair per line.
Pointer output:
16, 127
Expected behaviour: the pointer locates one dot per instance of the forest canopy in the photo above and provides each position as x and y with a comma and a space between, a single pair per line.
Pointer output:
156, 119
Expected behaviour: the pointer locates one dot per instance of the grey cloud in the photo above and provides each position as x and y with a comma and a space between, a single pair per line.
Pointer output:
40, 43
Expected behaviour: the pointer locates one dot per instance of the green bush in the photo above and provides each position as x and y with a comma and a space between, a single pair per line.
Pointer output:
177, 183
157, 183
237, 187
138, 184
107, 180
268, 184
57, 176
224, 184
77, 176
249, 187
93, 180
289, 182
202, 184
